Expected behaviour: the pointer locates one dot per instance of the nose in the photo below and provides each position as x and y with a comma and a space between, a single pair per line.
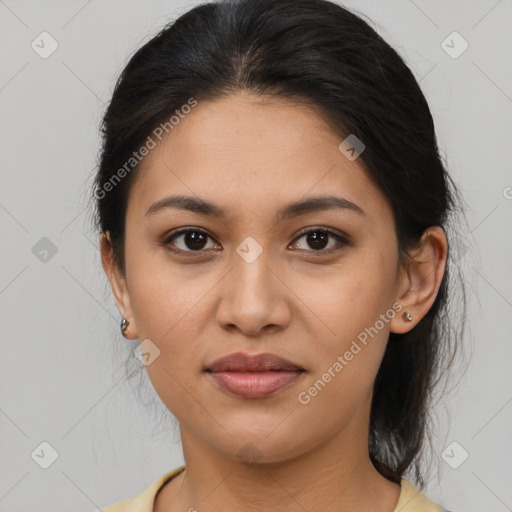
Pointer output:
254, 299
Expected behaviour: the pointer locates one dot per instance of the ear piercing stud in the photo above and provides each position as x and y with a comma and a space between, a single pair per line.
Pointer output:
124, 327
407, 316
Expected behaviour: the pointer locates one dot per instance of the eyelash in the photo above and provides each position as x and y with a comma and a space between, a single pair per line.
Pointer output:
344, 241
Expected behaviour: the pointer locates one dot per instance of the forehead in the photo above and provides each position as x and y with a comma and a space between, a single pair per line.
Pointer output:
242, 150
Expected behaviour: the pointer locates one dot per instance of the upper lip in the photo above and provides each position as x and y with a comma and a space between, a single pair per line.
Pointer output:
241, 362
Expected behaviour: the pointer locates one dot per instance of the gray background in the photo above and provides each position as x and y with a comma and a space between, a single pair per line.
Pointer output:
61, 375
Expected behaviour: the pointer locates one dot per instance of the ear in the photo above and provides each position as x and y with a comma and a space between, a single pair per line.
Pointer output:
419, 283
117, 283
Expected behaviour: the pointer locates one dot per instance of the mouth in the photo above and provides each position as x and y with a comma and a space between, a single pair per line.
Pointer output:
257, 376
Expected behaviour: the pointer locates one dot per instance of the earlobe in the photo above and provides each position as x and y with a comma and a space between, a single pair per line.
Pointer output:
117, 284
419, 283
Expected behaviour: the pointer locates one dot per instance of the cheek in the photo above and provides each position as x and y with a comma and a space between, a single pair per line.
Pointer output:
171, 308
343, 303
347, 358
166, 299
348, 307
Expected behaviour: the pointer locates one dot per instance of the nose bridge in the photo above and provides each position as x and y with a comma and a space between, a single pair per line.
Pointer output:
252, 273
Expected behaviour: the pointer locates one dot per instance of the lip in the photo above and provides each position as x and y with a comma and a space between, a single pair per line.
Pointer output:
255, 384
253, 376
242, 362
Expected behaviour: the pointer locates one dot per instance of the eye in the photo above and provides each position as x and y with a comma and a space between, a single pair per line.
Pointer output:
195, 240
192, 240
318, 239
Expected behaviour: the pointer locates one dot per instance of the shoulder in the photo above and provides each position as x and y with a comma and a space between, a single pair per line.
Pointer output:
413, 500
144, 501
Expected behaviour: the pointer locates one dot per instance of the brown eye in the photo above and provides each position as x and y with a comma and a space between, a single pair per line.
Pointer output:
318, 239
189, 240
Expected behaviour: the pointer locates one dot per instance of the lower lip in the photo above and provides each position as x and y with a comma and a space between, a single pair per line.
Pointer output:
255, 384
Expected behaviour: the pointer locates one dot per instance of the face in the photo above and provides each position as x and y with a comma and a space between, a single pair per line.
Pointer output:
308, 287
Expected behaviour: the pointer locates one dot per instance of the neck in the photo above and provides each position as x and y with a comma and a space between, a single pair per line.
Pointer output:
336, 475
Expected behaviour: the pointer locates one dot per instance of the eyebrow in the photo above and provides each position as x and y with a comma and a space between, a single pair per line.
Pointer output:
310, 205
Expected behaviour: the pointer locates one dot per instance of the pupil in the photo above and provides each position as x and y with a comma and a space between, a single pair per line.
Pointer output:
317, 236
194, 237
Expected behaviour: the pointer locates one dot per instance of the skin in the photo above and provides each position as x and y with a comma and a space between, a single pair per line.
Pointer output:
251, 157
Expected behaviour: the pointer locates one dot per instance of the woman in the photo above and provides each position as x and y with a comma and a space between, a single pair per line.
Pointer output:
272, 208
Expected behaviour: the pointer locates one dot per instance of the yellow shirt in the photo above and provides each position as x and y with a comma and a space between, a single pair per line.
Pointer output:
410, 500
